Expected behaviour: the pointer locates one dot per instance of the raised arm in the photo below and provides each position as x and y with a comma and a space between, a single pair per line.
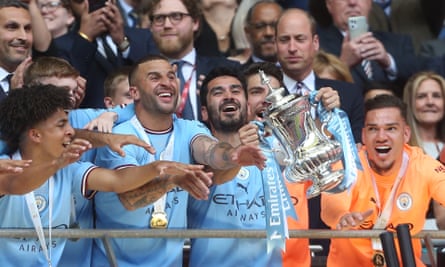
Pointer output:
145, 184
223, 159
114, 141
33, 175
41, 35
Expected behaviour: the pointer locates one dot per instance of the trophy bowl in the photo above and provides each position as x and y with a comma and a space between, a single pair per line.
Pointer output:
312, 155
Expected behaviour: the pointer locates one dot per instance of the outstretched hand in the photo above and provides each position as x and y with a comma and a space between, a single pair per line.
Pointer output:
119, 140
353, 219
247, 155
103, 123
191, 178
72, 152
11, 166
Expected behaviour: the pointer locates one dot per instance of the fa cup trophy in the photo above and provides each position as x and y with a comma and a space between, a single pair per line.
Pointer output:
311, 154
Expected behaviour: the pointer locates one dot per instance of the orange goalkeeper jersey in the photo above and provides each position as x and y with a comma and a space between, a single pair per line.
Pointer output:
423, 180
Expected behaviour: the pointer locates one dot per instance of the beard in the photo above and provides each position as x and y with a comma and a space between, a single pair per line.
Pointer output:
173, 47
151, 104
227, 124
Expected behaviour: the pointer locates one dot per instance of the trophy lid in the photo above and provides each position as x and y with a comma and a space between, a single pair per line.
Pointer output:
275, 94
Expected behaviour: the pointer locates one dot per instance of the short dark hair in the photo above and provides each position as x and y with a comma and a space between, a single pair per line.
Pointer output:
25, 107
249, 13
386, 101
269, 69
218, 72
135, 67
193, 7
13, 3
388, 86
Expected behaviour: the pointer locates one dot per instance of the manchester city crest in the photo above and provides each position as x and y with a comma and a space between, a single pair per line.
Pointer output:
243, 174
41, 202
404, 201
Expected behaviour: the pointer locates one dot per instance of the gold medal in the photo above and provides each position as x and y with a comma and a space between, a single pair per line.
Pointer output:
158, 220
378, 259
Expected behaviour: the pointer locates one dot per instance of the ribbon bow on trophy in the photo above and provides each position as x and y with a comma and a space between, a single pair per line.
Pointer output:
312, 155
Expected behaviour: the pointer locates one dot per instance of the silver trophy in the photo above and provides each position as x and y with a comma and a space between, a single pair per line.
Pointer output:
311, 153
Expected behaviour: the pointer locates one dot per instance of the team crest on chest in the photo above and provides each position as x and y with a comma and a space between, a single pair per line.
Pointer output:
243, 174
40, 202
404, 201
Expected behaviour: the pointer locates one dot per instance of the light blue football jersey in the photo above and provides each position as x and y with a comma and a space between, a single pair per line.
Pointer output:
110, 213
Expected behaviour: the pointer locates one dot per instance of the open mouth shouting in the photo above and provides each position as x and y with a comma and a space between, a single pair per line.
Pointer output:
229, 107
383, 149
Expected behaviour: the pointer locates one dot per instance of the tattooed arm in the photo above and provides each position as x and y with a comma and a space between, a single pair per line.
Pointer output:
146, 194
188, 177
223, 159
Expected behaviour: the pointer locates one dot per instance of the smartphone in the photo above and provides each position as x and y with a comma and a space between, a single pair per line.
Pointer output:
94, 5
357, 26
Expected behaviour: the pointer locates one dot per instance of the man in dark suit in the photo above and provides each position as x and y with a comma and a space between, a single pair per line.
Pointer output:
391, 56
128, 9
102, 46
261, 20
297, 44
174, 25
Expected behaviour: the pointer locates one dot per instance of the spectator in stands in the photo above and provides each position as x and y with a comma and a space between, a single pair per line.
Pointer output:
29, 32
58, 16
117, 88
100, 44
175, 24
242, 45
129, 10
424, 95
372, 89
376, 56
329, 66
261, 20
422, 20
215, 36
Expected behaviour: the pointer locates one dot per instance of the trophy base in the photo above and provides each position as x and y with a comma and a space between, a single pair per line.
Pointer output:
326, 183
331, 180
293, 176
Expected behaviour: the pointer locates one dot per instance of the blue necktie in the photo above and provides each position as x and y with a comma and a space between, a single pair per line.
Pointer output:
133, 16
3, 92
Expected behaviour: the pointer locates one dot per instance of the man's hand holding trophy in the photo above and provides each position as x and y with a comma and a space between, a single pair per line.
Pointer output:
311, 154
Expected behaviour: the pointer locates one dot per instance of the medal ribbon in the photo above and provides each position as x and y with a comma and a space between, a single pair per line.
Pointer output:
278, 203
338, 124
385, 214
35, 215
167, 154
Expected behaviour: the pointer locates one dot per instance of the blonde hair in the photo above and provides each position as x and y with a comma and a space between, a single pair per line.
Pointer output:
325, 61
409, 97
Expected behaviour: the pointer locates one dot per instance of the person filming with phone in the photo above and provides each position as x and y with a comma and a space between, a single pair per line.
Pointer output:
371, 56
100, 44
